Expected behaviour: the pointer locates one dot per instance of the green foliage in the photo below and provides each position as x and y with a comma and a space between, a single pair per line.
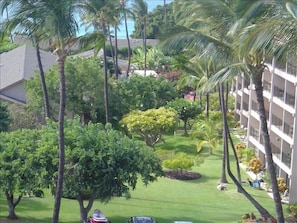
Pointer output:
150, 124
4, 117
181, 161
164, 154
155, 59
22, 118
156, 26
84, 95
186, 109
292, 209
20, 170
207, 133
6, 45
214, 102
93, 147
142, 93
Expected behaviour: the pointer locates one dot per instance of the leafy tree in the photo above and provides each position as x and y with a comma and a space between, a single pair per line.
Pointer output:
22, 118
186, 109
142, 93
4, 117
101, 163
84, 90
19, 172
150, 124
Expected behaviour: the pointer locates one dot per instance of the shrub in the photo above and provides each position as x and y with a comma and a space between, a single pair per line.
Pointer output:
239, 148
281, 185
292, 210
255, 165
179, 162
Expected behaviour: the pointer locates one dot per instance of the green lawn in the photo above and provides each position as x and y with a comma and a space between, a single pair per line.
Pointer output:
166, 200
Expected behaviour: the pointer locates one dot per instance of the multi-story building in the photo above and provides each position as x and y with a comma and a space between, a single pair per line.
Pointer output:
280, 99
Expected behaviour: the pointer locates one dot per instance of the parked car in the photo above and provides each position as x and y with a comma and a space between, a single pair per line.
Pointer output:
140, 219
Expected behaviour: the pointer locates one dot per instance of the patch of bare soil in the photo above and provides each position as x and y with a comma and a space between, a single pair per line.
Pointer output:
182, 175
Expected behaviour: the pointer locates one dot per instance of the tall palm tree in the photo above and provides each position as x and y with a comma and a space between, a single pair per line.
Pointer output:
261, 27
213, 20
140, 12
124, 11
58, 18
96, 13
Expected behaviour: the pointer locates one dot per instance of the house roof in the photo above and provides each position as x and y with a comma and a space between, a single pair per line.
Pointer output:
20, 64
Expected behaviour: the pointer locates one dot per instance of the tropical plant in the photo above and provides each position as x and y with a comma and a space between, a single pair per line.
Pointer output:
150, 124
140, 13
207, 133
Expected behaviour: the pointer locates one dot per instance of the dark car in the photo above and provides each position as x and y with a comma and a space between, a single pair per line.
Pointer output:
140, 219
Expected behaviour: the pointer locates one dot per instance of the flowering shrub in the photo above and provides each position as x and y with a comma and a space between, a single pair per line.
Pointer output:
255, 165
281, 185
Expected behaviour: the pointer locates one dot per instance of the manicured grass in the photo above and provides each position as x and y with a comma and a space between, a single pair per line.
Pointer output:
166, 200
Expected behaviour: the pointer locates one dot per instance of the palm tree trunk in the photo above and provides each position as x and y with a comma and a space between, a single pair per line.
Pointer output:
116, 51
43, 83
59, 189
111, 51
257, 80
144, 45
223, 173
106, 101
260, 208
128, 41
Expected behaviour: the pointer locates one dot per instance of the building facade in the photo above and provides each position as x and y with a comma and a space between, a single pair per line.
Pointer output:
280, 94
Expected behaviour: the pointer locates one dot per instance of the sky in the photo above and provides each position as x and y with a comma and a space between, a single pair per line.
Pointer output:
152, 4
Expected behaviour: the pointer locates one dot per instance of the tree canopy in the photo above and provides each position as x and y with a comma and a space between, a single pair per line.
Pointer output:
150, 124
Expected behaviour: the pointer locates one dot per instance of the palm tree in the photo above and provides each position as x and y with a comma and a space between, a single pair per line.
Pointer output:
96, 13
58, 18
29, 26
214, 21
124, 11
140, 12
207, 133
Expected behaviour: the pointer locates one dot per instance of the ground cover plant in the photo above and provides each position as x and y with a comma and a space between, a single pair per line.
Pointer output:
166, 200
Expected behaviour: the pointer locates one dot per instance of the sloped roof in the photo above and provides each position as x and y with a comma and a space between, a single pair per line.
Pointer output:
20, 64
